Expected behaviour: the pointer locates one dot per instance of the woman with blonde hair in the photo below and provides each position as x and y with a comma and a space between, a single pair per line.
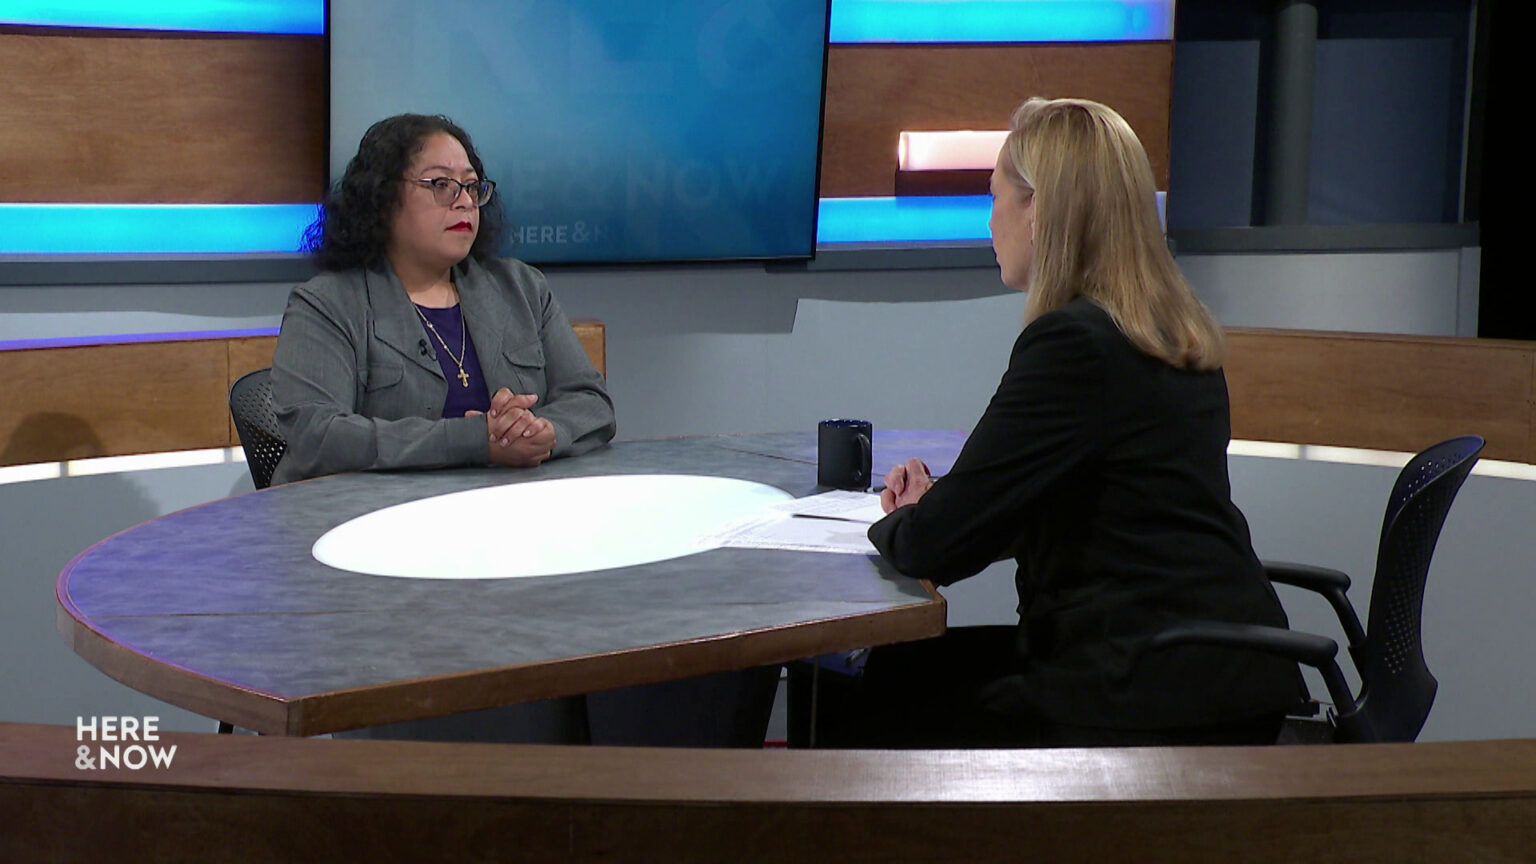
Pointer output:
1100, 465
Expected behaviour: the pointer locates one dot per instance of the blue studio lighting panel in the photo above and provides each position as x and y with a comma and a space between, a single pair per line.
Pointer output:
152, 229
855, 21
205, 16
904, 220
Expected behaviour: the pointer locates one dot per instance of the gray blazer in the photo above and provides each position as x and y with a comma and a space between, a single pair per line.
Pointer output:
356, 384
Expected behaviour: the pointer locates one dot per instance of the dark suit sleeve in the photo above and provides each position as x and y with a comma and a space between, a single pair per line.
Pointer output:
1039, 426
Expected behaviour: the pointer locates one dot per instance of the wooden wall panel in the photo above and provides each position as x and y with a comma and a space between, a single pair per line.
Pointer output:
1530, 412
1382, 392
110, 400
594, 338
247, 355
1352, 390
108, 116
876, 91
250, 354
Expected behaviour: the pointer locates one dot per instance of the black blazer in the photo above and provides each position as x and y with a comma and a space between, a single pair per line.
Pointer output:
1104, 472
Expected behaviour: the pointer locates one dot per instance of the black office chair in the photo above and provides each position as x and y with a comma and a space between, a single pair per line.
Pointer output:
250, 403
1396, 689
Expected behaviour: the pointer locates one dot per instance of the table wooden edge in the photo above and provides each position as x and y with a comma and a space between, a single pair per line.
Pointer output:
411, 699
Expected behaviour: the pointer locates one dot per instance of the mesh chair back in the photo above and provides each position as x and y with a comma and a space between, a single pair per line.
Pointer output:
250, 403
1397, 687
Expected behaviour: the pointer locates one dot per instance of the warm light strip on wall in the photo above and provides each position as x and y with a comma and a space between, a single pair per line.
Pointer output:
204, 16
29, 473
1264, 449
1318, 453
32, 229
147, 462
1001, 20
1507, 470
119, 464
1361, 456
1355, 456
955, 150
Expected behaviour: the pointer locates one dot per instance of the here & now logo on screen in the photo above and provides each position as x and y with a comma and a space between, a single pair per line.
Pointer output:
120, 742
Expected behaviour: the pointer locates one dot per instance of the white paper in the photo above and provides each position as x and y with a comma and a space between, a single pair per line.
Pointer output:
837, 504
797, 534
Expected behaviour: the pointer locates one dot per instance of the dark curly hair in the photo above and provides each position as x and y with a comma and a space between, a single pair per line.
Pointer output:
352, 229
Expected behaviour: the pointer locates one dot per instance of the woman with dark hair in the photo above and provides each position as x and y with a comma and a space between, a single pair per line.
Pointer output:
1101, 466
417, 348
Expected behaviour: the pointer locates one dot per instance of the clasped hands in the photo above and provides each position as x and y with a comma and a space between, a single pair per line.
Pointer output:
904, 484
517, 437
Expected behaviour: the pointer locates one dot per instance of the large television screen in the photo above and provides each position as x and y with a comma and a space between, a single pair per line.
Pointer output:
616, 131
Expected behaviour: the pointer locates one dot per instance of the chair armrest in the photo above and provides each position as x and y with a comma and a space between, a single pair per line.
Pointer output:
1319, 579
1305, 648
1332, 584
1315, 651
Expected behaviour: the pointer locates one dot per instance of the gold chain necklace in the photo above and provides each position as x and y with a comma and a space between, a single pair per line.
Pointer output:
463, 341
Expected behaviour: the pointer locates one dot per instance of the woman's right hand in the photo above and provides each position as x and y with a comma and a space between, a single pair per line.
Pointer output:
510, 417
904, 484
517, 436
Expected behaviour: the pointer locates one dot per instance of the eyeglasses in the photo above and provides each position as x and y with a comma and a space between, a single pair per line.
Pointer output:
446, 190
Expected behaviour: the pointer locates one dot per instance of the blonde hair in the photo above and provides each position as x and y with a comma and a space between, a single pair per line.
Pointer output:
1097, 232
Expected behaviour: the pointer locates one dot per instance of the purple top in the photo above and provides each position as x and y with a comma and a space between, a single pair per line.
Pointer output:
462, 396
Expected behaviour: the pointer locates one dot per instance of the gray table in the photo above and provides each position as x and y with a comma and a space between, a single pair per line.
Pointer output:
222, 610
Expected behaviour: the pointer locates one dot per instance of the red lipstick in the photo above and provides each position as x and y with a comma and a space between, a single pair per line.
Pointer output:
461, 226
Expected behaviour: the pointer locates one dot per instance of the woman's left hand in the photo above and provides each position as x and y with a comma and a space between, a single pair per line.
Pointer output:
528, 450
904, 484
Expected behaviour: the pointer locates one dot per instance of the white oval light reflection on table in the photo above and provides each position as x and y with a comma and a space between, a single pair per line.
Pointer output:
543, 528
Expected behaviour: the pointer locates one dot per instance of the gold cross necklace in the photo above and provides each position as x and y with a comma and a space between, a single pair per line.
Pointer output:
463, 341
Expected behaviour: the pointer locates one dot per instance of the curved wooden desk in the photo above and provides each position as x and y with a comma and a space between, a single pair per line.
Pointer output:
221, 609
249, 798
